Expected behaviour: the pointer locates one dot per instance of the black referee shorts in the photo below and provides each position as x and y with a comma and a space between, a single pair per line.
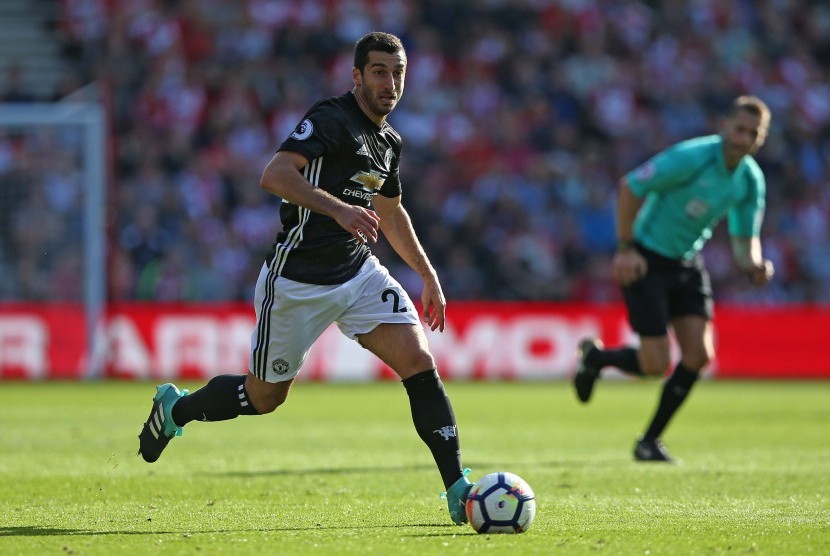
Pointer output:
671, 288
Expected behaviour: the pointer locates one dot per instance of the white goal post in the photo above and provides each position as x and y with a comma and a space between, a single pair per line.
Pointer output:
86, 121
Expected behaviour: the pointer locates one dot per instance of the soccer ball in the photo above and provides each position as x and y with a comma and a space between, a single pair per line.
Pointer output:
501, 502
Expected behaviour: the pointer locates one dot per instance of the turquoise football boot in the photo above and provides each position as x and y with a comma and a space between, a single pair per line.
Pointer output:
456, 497
159, 428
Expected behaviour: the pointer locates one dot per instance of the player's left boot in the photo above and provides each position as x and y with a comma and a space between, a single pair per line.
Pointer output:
651, 450
586, 375
457, 498
159, 428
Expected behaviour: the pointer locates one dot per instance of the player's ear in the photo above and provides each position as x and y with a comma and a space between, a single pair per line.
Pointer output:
763, 132
762, 137
357, 77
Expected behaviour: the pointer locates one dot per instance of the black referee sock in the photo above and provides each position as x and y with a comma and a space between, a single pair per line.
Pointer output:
435, 422
675, 391
222, 398
625, 359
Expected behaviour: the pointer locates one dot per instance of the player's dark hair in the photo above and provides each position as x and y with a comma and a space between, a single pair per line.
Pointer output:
376, 40
753, 105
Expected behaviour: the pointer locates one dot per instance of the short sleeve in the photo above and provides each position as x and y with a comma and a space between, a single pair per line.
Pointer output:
745, 218
666, 170
319, 132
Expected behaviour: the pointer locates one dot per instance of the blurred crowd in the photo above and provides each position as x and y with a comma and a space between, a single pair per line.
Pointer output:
519, 117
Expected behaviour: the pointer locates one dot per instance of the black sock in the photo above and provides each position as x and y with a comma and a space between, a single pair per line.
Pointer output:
435, 422
222, 398
625, 359
675, 390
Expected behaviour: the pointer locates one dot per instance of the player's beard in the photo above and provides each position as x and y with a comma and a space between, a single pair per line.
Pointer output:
383, 106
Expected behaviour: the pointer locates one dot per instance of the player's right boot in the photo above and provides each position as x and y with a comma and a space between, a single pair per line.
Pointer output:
159, 428
457, 498
586, 375
651, 450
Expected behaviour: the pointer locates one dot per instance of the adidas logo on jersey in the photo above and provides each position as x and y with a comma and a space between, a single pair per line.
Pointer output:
363, 150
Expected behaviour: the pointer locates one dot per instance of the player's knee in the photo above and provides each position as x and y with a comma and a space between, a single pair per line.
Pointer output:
424, 360
419, 361
655, 365
266, 396
697, 361
655, 370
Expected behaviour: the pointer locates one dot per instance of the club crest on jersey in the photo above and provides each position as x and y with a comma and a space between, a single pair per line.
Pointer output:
697, 208
387, 157
303, 130
369, 181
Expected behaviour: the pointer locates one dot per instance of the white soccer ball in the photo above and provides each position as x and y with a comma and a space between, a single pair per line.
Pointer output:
501, 502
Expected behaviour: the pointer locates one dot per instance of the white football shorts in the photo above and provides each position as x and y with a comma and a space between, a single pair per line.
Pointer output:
290, 315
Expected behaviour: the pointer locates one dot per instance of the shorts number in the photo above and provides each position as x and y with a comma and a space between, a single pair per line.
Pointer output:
396, 300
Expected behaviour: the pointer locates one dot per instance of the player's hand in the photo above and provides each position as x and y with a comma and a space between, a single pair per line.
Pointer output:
360, 222
628, 266
761, 274
434, 304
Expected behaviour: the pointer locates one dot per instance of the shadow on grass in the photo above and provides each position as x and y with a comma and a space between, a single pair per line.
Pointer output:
324, 471
564, 464
38, 531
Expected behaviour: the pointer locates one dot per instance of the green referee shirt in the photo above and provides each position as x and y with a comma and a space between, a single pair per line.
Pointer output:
688, 190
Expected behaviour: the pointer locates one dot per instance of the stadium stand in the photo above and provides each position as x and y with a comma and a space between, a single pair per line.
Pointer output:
518, 118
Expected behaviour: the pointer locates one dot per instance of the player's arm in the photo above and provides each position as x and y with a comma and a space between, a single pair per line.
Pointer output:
282, 177
744, 222
748, 256
397, 227
627, 207
628, 265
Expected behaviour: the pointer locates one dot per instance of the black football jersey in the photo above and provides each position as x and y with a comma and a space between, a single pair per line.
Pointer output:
351, 158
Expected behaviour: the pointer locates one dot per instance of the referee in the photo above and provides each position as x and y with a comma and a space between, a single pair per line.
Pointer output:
666, 211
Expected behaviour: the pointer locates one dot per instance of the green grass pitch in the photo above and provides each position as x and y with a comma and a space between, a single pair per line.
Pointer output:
340, 470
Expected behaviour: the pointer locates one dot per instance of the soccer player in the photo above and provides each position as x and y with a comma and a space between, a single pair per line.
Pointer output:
338, 177
666, 211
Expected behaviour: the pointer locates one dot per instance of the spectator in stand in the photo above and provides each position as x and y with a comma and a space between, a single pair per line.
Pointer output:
13, 88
